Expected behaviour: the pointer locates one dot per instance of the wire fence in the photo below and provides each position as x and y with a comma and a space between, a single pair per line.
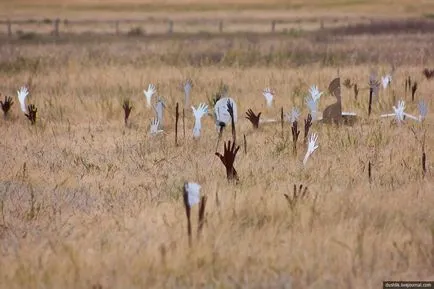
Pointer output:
58, 26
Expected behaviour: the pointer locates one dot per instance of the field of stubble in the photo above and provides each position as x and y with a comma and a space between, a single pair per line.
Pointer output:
86, 202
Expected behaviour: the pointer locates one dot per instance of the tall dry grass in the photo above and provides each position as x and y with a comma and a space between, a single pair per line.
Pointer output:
89, 203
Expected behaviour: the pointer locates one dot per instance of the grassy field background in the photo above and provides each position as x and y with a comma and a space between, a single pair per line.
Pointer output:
212, 8
381, 6
86, 202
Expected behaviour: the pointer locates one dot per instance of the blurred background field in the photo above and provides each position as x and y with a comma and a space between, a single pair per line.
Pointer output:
203, 16
87, 202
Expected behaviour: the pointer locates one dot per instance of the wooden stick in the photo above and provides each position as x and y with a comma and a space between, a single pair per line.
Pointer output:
245, 145
202, 206
423, 158
187, 212
183, 121
356, 91
234, 133
369, 172
423, 164
295, 134
413, 90
176, 124
281, 120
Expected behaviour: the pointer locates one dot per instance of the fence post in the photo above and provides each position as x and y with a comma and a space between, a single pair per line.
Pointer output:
221, 26
117, 27
56, 27
321, 24
273, 26
170, 31
9, 27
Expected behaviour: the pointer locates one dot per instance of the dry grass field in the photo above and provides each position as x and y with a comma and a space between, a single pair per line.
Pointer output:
97, 9
308, 6
87, 202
